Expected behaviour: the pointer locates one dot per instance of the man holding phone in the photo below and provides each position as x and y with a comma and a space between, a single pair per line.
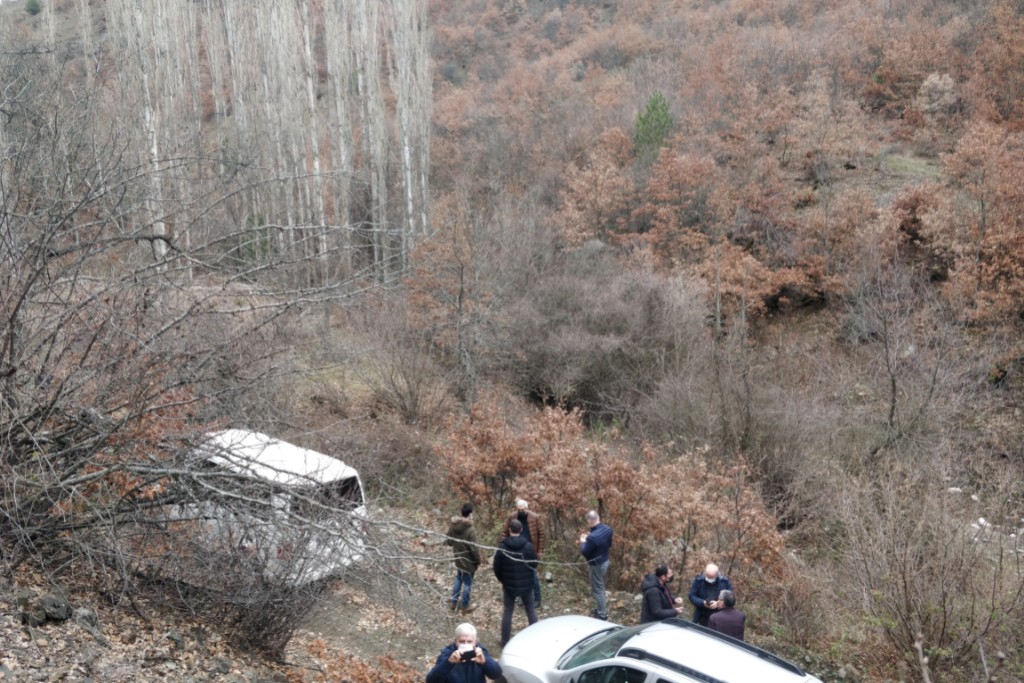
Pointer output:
705, 591
465, 660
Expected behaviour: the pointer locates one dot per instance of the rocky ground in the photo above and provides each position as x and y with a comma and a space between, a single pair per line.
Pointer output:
54, 635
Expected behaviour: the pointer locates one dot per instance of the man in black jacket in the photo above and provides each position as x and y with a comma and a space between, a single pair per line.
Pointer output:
658, 602
514, 565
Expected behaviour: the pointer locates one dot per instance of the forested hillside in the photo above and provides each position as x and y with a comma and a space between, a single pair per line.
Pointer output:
746, 275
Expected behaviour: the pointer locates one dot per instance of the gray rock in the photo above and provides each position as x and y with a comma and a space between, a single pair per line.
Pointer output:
86, 617
56, 607
176, 638
219, 665
89, 622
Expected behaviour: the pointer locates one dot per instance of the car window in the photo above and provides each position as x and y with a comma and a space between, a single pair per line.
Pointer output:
594, 649
613, 674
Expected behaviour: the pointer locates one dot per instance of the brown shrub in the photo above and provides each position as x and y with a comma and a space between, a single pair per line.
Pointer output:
688, 510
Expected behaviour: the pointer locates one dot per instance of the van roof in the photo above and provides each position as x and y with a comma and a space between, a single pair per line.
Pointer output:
709, 656
268, 458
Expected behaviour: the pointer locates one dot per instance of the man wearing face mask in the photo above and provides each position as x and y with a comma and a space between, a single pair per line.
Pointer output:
465, 660
705, 591
658, 602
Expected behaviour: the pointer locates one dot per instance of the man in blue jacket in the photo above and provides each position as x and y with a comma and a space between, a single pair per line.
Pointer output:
704, 593
596, 547
464, 661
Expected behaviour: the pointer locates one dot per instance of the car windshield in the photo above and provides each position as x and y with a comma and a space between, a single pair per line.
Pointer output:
601, 645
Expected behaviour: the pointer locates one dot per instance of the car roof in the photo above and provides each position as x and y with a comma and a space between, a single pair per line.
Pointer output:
706, 655
268, 458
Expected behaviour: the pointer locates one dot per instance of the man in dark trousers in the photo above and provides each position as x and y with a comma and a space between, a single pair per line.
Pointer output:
704, 593
534, 533
596, 546
462, 539
658, 602
515, 563
728, 620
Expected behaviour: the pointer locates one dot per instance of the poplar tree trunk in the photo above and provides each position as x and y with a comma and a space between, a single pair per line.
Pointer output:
301, 144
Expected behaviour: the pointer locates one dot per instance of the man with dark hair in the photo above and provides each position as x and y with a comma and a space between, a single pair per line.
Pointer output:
515, 563
462, 539
728, 620
596, 546
533, 532
658, 602
704, 593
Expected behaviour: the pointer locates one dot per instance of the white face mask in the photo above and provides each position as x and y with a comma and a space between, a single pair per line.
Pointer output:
709, 580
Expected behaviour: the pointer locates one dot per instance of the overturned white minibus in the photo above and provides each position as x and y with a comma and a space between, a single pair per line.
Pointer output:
296, 514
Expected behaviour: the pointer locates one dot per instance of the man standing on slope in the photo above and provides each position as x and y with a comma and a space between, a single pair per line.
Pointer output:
704, 593
514, 566
596, 547
728, 620
533, 533
658, 602
462, 539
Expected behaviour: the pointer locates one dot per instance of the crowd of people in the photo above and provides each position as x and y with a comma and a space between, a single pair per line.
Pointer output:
515, 565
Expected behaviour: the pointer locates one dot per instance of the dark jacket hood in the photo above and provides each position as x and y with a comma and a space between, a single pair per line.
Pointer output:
515, 543
650, 581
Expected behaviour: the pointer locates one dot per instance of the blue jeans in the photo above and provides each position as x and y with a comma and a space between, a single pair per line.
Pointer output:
463, 587
597, 574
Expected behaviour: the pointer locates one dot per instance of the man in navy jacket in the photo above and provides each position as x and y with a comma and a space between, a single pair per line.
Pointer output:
464, 661
704, 593
596, 547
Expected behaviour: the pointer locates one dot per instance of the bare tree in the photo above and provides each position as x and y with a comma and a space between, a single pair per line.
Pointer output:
148, 267
896, 319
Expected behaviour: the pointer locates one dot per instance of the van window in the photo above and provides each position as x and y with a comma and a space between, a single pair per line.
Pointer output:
613, 674
344, 494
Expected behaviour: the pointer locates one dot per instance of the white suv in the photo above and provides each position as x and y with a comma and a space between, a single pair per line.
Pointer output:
575, 649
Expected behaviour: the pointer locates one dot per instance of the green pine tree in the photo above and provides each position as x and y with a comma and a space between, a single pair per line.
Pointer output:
653, 125
33, 7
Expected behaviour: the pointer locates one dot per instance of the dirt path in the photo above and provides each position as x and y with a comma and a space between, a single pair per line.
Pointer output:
350, 621
409, 620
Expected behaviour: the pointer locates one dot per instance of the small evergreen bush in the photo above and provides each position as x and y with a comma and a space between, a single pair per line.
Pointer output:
33, 7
